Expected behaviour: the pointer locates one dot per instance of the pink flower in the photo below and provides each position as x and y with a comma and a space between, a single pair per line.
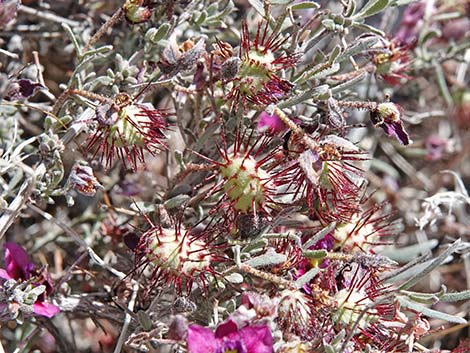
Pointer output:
228, 338
19, 268
410, 24
272, 123
435, 147
388, 117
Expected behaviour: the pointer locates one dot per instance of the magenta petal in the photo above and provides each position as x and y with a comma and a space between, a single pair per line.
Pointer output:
17, 261
4, 274
257, 339
396, 129
201, 340
45, 309
270, 122
226, 329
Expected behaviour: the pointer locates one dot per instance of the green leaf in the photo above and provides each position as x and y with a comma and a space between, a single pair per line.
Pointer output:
144, 320
202, 17
320, 71
345, 85
176, 201
315, 254
334, 54
339, 337
255, 244
455, 297
258, 6
304, 5
306, 277
329, 24
368, 28
430, 312
319, 236
431, 265
155, 35
442, 84
268, 259
351, 8
371, 8
384, 167
329, 349
235, 278
405, 254
360, 47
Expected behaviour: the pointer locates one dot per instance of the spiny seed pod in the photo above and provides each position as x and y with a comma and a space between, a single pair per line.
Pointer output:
254, 74
175, 255
351, 304
366, 228
325, 177
128, 129
245, 183
245, 179
296, 313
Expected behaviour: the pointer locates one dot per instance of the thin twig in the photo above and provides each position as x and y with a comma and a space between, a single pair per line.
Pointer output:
48, 16
127, 318
46, 92
13, 210
76, 237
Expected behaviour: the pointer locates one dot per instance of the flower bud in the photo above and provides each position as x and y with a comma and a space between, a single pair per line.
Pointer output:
136, 13
83, 180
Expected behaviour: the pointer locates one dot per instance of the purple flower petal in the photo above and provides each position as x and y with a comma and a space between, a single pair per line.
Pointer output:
45, 309
201, 340
4, 274
226, 329
396, 130
17, 261
271, 123
257, 339
8, 11
21, 89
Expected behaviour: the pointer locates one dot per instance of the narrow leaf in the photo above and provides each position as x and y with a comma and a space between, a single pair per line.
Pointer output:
268, 259
430, 312
315, 254
304, 5
258, 6
319, 236
345, 85
360, 47
235, 278
371, 8
306, 277
407, 253
431, 266
455, 297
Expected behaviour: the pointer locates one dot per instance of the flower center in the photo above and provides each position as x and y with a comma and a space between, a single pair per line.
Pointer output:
232, 346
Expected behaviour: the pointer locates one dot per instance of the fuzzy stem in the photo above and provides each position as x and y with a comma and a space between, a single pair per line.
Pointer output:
296, 129
267, 276
67, 93
190, 168
371, 106
109, 23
